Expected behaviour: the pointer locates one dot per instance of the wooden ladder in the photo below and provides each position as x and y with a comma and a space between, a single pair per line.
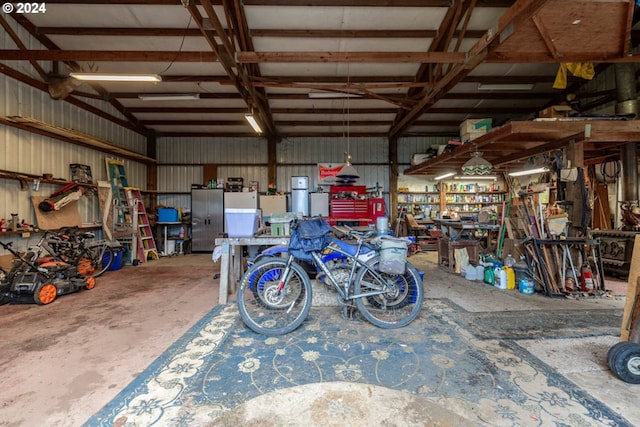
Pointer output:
146, 247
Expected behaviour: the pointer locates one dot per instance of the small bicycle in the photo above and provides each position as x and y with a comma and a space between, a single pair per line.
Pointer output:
275, 294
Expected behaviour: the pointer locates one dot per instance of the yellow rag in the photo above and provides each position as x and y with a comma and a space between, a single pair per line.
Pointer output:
578, 69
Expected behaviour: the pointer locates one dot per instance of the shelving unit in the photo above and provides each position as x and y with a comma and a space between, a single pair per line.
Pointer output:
413, 201
460, 201
469, 201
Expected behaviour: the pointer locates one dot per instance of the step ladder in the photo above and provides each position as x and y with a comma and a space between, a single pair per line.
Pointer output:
146, 245
118, 181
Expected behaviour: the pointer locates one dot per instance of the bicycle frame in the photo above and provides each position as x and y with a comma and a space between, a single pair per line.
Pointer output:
357, 262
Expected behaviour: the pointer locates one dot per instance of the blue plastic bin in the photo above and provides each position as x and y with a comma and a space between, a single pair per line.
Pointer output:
117, 259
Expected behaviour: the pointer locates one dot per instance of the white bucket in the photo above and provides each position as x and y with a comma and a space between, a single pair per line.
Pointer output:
382, 224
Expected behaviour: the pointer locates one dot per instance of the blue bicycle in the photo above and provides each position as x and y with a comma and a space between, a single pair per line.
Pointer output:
275, 293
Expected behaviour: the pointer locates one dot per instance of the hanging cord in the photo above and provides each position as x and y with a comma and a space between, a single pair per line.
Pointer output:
615, 174
184, 36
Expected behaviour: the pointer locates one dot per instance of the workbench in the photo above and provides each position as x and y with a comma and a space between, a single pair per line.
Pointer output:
231, 268
461, 235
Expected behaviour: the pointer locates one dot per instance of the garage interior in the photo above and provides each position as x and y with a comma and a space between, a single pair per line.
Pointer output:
413, 118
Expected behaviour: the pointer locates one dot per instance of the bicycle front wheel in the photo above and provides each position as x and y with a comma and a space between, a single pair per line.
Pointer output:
393, 300
267, 309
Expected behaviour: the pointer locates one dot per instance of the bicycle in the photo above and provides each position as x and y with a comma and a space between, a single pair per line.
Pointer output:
70, 245
275, 294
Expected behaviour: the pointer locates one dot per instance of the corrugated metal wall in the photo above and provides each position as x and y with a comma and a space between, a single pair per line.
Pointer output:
29, 153
247, 158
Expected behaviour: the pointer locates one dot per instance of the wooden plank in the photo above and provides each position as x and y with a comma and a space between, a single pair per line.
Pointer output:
632, 305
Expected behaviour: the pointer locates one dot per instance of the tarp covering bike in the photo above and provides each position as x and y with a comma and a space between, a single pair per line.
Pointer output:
59, 199
309, 235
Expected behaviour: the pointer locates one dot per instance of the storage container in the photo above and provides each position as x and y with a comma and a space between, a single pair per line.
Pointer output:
168, 215
511, 277
524, 279
242, 222
280, 227
500, 277
116, 264
393, 256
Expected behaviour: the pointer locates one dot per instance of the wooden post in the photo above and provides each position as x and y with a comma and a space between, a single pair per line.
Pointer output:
632, 301
393, 179
272, 176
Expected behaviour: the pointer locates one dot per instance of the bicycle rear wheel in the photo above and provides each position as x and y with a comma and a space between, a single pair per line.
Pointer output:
270, 311
398, 304
102, 257
95, 260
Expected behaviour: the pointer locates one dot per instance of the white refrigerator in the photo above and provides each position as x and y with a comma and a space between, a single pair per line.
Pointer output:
241, 200
319, 204
300, 194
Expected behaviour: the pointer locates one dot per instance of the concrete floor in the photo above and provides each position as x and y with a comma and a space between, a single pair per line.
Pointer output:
65, 361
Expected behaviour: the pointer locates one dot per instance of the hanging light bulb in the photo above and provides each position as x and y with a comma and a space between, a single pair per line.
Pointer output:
477, 165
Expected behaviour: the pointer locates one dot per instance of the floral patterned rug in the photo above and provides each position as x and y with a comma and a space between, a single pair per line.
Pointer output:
220, 364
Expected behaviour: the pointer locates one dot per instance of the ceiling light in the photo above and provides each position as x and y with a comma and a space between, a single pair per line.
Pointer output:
333, 95
348, 171
529, 172
474, 178
252, 121
443, 176
116, 77
477, 165
506, 86
169, 96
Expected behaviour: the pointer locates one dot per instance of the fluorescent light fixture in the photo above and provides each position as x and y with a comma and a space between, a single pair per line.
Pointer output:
443, 176
529, 172
95, 77
252, 121
506, 86
333, 95
169, 96
475, 178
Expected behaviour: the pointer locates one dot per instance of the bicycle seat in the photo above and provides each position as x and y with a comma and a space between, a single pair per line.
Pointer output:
88, 235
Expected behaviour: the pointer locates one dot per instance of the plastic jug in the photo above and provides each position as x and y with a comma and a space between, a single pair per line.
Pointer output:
509, 261
511, 277
500, 278
489, 276
479, 272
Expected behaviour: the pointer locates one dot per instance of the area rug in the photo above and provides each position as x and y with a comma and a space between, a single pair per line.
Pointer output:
527, 324
220, 364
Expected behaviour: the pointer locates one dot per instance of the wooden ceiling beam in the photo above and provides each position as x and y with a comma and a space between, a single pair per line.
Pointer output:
356, 34
106, 55
46, 42
543, 148
204, 95
543, 57
519, 12
352, 110
345, 3
119, 31
385, 57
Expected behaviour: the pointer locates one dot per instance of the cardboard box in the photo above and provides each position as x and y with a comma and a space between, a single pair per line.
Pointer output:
470, 136
555, 112
475, 125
